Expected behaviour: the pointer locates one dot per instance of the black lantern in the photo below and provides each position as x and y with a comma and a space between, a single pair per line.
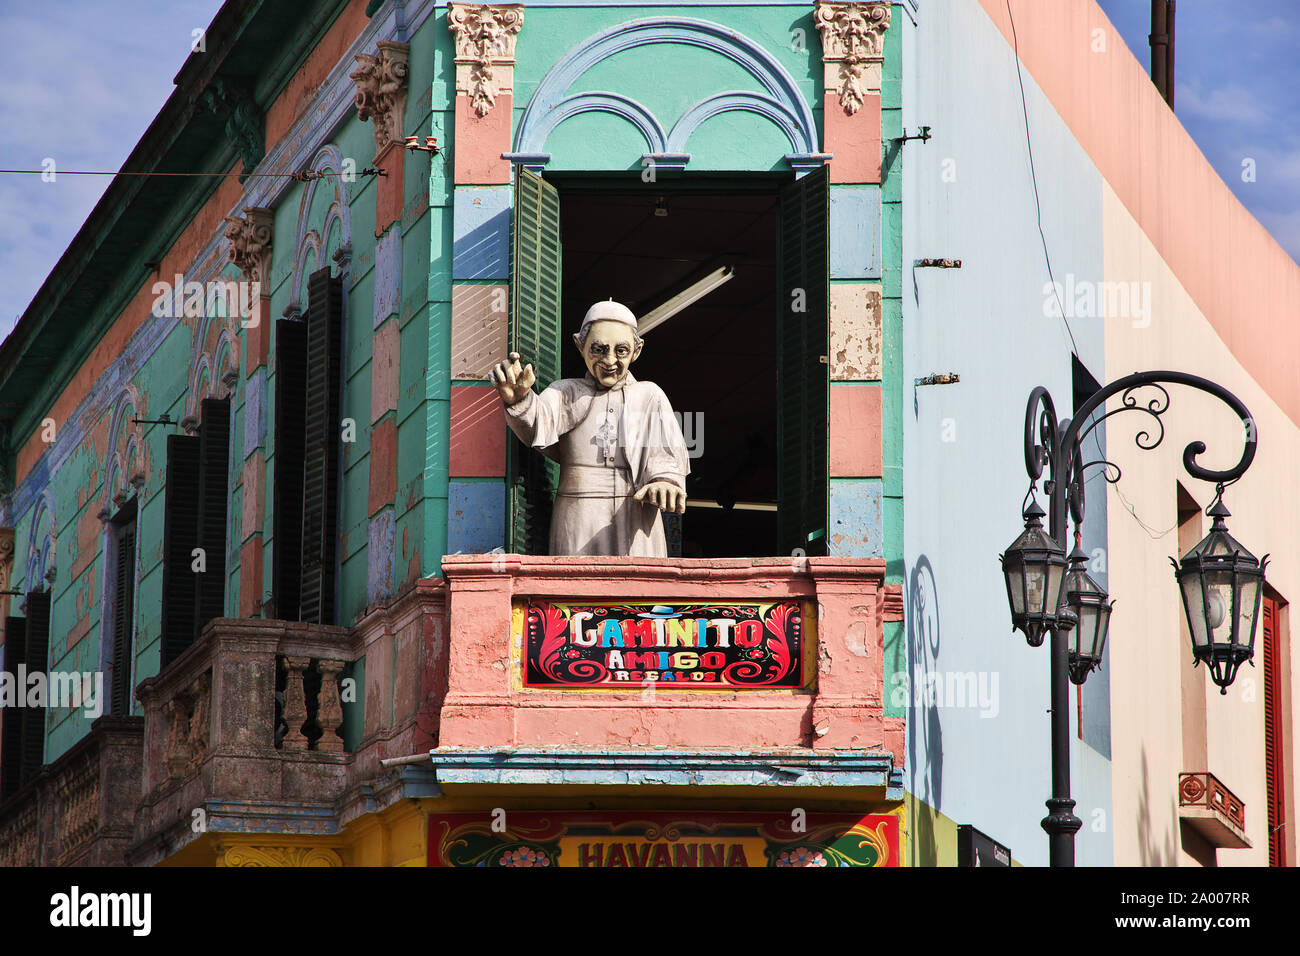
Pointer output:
1221, 583
1034, 566
1088, 602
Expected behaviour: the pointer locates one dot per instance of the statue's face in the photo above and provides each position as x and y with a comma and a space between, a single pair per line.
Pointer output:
609, 351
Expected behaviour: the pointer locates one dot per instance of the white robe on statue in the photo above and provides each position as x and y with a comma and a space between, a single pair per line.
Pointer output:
577, 423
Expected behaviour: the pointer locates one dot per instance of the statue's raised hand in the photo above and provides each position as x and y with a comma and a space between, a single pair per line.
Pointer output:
512, 382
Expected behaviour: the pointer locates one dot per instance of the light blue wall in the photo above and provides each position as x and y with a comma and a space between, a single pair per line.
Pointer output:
964, 476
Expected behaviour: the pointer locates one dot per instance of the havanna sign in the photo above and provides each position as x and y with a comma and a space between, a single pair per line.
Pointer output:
728, 645
633, 839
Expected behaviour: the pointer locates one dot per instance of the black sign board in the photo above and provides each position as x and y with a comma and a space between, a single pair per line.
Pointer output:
978, 849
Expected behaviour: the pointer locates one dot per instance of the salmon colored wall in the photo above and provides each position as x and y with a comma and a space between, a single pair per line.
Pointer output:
1239, 277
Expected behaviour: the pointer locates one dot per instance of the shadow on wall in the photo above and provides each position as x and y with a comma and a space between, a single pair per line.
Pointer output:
924, 730
1150, 850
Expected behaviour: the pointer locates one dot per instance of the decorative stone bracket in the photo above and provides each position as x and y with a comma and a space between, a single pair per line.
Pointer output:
853, 48
229, 100
250, 242
485, 50
381, 90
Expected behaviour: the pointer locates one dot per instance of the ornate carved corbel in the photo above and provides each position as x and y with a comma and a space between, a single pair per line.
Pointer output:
853, 44
230, 101
381, 90
485, 49
250, 242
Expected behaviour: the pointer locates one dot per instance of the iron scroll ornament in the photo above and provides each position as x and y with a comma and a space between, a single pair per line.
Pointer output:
1057, 446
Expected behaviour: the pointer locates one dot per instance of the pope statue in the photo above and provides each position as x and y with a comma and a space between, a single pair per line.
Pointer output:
621, 452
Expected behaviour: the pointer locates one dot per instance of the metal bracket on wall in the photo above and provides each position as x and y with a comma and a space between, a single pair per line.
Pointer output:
923, 135
945, 378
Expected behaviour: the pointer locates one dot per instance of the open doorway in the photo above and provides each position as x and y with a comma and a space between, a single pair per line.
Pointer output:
716, 359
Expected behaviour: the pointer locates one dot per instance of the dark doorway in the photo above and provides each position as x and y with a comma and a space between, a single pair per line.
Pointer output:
716, 359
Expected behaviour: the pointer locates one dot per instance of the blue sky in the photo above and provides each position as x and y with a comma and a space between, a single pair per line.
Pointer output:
86, 77
83, 81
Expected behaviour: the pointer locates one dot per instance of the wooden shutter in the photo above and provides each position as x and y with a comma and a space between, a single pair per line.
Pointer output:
290, 415
180, 538
214, 498
38, 653
536, 274
321, 446
1274, 750
802, 372
11, 743
123, 619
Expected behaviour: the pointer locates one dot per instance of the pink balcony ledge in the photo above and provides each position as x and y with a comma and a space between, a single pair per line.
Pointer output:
837, 709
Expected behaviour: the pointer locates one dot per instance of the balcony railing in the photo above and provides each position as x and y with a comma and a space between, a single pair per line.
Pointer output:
78, 810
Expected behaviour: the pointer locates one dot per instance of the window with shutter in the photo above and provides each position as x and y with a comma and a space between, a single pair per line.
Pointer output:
322, 437
1274, 750
38, 652
123, 610
180, 538
803, 382
11, 741
214, 466
534, 332
290, 414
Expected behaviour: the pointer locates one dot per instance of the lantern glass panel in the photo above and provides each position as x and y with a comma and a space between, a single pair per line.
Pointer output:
1248, 596
1055, 577
1015, 572
1219, 606
1085, 632
1035, 588
1194, 599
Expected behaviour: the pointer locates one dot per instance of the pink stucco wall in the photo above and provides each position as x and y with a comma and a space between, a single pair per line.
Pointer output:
486, 706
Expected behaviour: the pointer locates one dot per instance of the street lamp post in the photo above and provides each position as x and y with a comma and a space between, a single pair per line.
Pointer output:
1048, 593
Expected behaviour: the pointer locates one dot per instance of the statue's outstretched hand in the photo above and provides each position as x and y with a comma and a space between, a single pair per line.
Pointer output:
664, 495
512, 382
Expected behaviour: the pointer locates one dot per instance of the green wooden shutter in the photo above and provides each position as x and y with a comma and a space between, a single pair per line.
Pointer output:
180, 538
123, 619
321, 448
802, 372
290, 416
536, 275
38, 653
214, 498
11, 744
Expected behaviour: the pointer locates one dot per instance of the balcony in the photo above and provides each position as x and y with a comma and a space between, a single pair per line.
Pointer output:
1212, 810
245, 732
493, 702
266, 740
77, 811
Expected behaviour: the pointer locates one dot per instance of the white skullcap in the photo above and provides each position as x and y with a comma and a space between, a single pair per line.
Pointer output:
610, 311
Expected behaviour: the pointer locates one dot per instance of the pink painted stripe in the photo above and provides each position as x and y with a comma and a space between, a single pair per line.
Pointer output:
1239, 277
